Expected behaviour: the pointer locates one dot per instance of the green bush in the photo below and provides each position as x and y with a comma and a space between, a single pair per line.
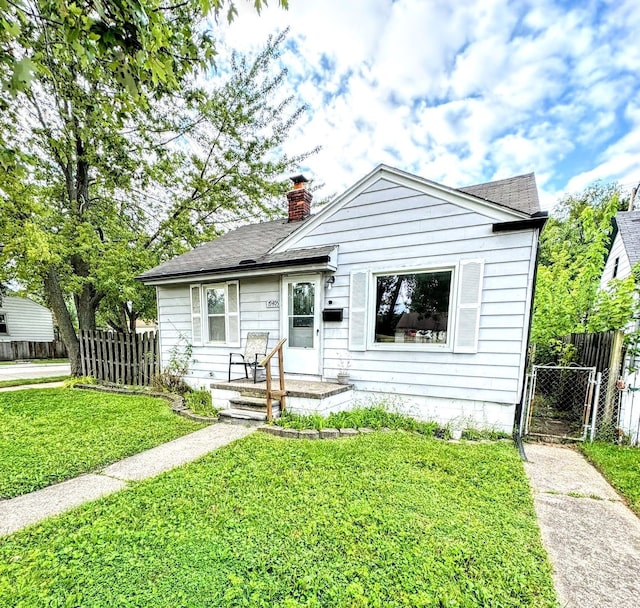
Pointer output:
199, 402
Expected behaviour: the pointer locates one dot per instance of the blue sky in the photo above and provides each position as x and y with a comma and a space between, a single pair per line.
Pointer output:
462, 91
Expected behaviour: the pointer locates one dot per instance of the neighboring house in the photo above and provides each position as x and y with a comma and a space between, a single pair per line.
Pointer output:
423, 289
625, 249
624, 254
22, 319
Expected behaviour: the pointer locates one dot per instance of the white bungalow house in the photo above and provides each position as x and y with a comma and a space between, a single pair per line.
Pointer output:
623, 256
22, 320
423, 291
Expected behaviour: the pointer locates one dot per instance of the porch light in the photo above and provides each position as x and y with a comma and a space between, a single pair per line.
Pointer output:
330, 281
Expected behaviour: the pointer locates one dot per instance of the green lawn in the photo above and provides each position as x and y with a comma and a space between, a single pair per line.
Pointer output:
27, 381
620, 465
48, 435
38, 361
381, 520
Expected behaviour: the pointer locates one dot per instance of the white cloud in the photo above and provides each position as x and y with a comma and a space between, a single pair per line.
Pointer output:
461, 92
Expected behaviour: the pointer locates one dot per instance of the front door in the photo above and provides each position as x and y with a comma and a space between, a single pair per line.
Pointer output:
301, 315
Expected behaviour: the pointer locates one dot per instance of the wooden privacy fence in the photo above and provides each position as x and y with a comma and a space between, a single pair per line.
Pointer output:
11, 351
603, 350
120, 358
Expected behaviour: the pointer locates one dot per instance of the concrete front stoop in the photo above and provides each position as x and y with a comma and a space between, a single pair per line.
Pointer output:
248, 410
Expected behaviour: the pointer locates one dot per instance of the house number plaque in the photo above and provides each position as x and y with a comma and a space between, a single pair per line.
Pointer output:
273, 303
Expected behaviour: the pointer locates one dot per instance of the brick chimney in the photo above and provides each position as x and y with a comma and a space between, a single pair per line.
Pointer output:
299, 199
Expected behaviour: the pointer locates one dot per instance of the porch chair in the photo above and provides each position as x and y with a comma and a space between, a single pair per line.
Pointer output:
254, 350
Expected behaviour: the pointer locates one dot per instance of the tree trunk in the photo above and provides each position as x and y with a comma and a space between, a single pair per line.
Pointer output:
55, 299
86, 308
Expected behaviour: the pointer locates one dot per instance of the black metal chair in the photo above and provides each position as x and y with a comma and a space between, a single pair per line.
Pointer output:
254, 350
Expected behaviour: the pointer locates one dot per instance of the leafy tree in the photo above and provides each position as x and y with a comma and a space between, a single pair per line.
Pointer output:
574, 246
101, 181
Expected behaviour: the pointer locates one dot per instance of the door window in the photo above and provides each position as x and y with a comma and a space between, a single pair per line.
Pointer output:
301, 301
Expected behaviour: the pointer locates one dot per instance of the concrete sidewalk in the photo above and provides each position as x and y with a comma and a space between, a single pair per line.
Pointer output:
22, 511
592, 537
24, 387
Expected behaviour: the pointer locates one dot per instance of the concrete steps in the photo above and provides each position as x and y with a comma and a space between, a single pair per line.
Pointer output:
248, 410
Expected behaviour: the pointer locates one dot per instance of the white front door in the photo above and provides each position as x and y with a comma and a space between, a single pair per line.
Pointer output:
301, 320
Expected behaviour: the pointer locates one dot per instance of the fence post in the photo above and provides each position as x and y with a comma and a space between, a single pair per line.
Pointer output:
594, 407
615, 362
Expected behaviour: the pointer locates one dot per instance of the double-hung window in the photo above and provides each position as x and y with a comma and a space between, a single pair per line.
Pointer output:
215, 315
4, 328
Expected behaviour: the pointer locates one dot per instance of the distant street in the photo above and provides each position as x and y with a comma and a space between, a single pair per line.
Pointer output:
33, 370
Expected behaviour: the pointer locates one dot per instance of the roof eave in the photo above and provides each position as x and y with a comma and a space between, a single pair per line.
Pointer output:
319, 262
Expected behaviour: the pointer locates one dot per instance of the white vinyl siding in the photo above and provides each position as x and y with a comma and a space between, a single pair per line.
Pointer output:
623, 266
210, 361
395, 227
25, 320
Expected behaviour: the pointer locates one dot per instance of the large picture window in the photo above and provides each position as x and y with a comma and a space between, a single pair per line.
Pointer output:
413, 308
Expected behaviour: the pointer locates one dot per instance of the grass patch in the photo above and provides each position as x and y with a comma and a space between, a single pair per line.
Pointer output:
38, 361
29, 381
380, 520
54, 434
620, 465
471, 434
199, 402
375, 417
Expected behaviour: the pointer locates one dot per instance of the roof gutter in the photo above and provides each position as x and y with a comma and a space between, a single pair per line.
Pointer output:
537, 220
244, 269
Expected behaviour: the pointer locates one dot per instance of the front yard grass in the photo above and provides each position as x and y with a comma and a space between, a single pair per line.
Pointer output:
48, 435
621, 466
380, 520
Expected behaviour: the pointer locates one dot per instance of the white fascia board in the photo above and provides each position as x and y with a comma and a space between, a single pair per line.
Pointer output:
493, 211
330, 266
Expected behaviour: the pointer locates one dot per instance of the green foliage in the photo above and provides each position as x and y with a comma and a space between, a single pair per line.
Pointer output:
573, 249
386, 519
75, 380
620, 465
140, 44
199, 402
374, 417
53, 434
115, 161
171, 378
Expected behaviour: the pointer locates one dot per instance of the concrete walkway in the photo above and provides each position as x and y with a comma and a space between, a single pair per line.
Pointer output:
24, 387
22, 511
592, 537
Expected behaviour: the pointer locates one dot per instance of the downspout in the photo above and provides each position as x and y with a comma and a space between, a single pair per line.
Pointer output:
520, 405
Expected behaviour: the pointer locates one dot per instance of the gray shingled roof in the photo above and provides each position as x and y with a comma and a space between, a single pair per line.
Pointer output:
254, 241
519, 193
628, 223
251, 242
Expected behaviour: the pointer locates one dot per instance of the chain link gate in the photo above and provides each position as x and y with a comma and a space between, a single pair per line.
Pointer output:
560, 402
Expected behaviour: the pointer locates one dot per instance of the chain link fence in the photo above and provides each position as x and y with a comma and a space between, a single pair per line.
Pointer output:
560, 401
619, 416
